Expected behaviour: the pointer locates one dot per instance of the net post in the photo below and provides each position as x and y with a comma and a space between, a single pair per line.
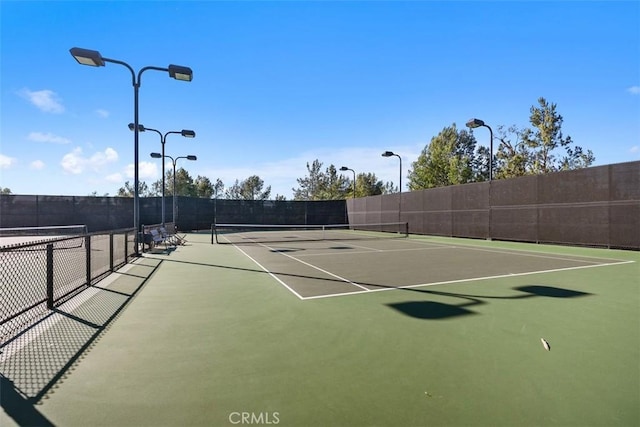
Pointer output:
50, 276
126, 247
87, 244
212, 231
406, 229
111, 252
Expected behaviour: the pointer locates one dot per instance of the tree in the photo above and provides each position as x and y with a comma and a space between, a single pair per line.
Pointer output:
204, 187
129, 191
5, 190
538, 150
318, 185
512, 157
251, 189
367, 184
448, 160
311, 184
547, 137
233, 192
185, 185
218, 188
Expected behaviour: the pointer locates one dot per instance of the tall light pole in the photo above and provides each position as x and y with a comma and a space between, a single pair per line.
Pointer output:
390, 154
189, 157
344, 168
472, 124
94, 59
163, 138
476, 123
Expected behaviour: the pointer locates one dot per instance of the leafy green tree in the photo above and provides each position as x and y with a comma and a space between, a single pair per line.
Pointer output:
129, 191
512, 155
389, 188
311, 184
233, 192
218, 188
204, 187
5, 190
319, 185
448, 160
251, 189
367, 184
546, 137
539, 149
184, 184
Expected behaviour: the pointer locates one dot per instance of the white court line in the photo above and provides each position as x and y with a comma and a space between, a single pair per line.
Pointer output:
505, 251
275, 250
269, 272
419, 240
502, 276
379, 250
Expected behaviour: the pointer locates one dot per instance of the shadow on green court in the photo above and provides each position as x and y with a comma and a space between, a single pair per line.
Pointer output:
437, 310
428, 309
19, 408
43, 354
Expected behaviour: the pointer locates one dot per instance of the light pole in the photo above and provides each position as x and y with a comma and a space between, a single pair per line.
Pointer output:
390, 154
472, 124
189, 157
476, 123
344, 168
163, 138
94, 59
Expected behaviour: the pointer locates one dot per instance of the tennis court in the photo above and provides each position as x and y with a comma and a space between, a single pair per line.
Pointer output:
341, 262
360, 330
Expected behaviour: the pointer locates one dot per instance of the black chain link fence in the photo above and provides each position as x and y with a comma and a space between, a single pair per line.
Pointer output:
37, 276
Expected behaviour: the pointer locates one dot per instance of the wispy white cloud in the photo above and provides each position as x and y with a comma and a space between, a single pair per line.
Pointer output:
37, 165
115, 178
6, 162
47, 137
102, 113
46, 100
634, 90
146, 170
635, 149
75, 162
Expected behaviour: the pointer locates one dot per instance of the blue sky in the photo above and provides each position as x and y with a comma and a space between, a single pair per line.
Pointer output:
280, 84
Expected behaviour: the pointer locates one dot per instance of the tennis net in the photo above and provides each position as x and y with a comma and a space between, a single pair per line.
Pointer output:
260, 233
11, 236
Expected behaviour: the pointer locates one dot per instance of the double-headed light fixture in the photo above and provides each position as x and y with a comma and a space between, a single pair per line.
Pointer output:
95, 59
163, 138
162, 156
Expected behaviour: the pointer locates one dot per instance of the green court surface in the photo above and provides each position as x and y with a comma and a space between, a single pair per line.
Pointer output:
417, 331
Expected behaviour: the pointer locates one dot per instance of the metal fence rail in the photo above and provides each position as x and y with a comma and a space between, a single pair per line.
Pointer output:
36, 277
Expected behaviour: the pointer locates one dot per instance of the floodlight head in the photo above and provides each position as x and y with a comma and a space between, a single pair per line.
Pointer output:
132, 127
156, 155
344, 168
188, 133
475, 123
191, 157
180, 73
87, 57
388, 154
